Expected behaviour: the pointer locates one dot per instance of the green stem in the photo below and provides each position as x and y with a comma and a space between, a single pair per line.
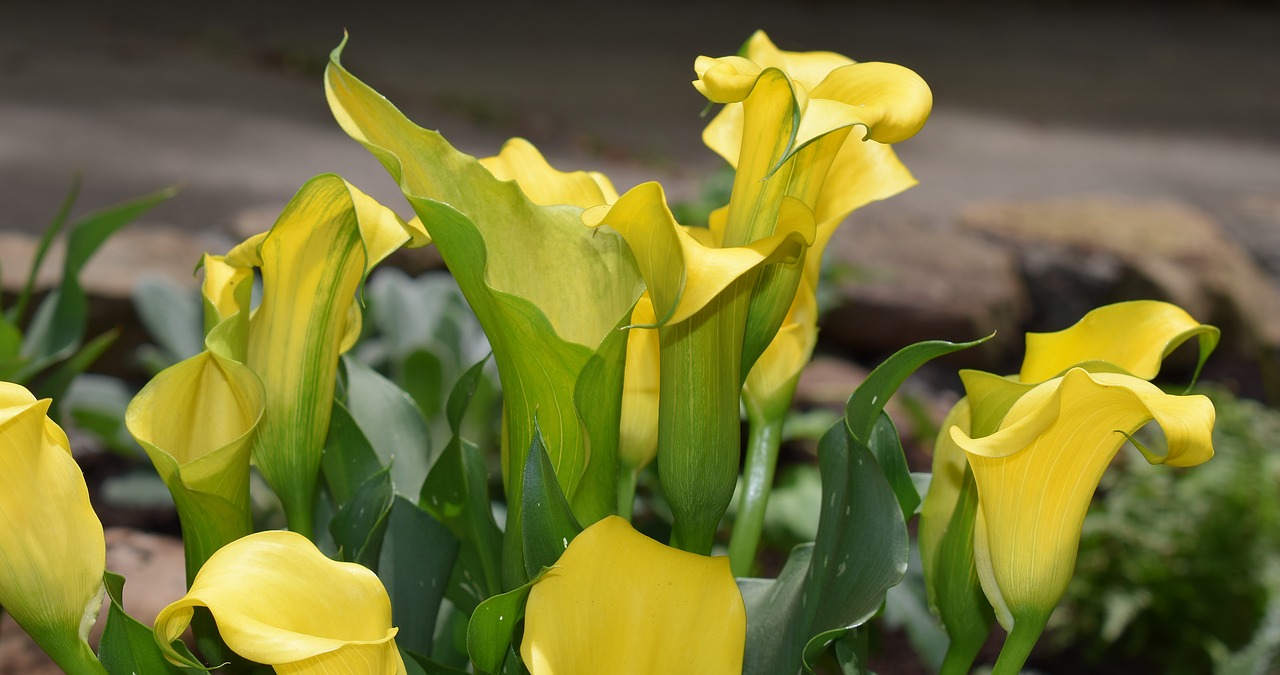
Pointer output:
71, 654
627, 478
1018, 645
298, 514
763, 440
960, 657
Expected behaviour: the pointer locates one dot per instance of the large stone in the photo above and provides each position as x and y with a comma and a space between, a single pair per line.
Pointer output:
898, 281
1082, 252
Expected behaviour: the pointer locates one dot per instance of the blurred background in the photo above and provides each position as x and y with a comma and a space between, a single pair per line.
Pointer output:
1079, 153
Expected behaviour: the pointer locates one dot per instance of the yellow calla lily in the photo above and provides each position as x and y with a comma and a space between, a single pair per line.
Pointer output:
279, 601
545, 185
52, 550
196, 421
1131, 337
638, 440
619, 602
1036, 475
312, 262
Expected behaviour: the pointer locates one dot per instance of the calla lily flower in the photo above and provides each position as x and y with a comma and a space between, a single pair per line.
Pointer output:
1036, 475
619, 602
312, 262
549, 293
279, 601
638, 442
52, 550
196, 421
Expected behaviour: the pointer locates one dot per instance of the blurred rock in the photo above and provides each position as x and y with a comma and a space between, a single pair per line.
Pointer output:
1083, 252
155, 576
899, 281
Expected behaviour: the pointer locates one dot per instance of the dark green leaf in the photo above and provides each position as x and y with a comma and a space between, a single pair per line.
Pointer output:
493, 626
359, 525
172, 316
15, 313
886, 446
425, 665
348, 460
598, 398
548, 522
128, 647
418, 554
463, 390
422, 376
55, 384
963, 608
866, 404
775, 617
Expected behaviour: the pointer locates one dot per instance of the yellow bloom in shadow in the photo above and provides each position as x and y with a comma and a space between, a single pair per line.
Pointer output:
52, 551
279, 601
619, 602
1036, 475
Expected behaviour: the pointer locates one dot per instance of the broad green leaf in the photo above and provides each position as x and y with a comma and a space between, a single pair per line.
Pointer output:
418, 554
548, 522
868, 401
390, 420
128, 647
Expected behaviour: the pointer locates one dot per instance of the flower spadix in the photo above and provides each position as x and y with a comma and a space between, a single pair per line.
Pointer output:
279, 601
1036, 475
619, 602
52, 550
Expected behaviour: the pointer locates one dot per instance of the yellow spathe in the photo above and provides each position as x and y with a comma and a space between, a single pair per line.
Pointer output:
1038, 472
52, 551
618, 602
278, 600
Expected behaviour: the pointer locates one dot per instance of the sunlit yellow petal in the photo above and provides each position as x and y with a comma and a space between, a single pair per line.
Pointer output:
682, 274
1037, 474
1134, 337
52, 551
278, 600
619, 602
807, 68
545, 185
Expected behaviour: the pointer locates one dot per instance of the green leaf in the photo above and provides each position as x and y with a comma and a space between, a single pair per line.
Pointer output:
418, 554
15, 314
58, 325
128, 647
598, 398
54, 384
172, 316
426, 665
493, 626
548, 523
886, 445
862, 545
962, 607
456, 493
359, 525
348, 460
389, 418
868, 401
775, 620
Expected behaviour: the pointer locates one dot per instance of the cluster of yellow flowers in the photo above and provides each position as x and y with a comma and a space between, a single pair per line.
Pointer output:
621, 337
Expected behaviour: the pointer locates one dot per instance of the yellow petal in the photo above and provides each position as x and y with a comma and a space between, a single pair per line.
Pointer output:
807, 68
1133, 337
278, 600
682, 274
638, 440
1037, 474
545, 185
619, 602
52, 551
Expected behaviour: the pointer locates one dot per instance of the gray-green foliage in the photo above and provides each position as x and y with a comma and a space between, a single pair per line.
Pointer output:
1174, 565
